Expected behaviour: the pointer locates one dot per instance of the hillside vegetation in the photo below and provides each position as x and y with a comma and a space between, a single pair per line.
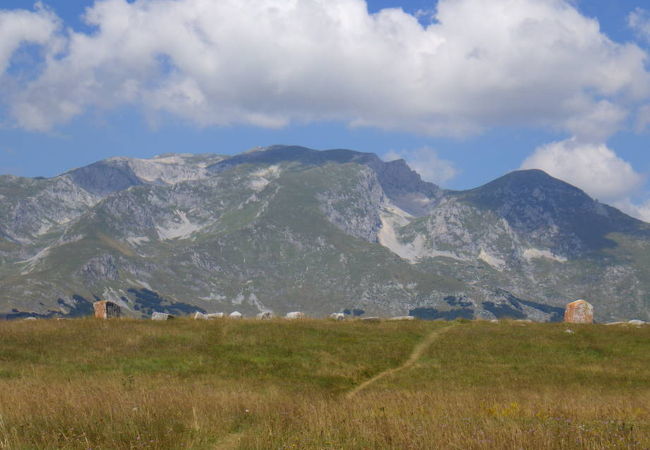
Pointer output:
322, 385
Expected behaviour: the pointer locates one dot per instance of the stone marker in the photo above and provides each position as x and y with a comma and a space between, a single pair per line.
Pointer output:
266, 315
337, 316
236, 315
204, 316
371, 319
161, 316
107, 310
295, 315
579, 311
630, 322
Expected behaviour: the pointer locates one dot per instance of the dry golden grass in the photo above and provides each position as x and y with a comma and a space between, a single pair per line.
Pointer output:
463, 420
257, 385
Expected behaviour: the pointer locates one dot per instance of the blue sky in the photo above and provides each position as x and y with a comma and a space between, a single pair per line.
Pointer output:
475, 90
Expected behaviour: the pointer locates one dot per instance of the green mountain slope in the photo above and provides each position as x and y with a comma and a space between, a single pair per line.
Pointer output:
289, 228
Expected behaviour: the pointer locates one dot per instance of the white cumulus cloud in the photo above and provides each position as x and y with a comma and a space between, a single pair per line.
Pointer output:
639, 21
643, 119
426, 163
268, 63
594, 168
18, 27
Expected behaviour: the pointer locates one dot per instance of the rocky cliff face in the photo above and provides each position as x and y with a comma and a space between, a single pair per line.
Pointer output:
119, 173
289, 228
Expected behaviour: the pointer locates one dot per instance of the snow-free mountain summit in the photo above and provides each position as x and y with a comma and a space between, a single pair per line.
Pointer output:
289, 228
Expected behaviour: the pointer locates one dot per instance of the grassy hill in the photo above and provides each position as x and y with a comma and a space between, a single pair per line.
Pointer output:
320, 384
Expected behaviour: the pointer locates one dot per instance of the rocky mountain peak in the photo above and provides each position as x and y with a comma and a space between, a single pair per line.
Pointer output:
400, 183
119, 173
105, 177
535, 203
520, 184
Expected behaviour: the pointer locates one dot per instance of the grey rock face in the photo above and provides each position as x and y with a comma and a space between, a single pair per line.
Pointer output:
100, 268
30, 209
355, 208
105, 177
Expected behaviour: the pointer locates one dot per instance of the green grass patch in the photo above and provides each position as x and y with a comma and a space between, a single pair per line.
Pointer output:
283, 384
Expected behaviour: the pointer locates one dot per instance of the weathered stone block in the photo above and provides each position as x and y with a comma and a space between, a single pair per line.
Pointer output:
161, 316
371, 319
579, 311
107, 310
295, 315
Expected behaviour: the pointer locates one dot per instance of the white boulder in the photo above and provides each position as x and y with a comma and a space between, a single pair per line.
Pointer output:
161, 316
236, 315
295, 315
266, 315
337, 316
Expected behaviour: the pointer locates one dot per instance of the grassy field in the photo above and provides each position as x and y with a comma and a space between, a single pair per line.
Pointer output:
322, 385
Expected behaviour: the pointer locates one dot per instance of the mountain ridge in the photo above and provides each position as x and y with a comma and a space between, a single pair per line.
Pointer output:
287, 227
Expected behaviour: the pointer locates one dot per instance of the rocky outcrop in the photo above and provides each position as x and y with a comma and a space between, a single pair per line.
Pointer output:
100, 268
355, 208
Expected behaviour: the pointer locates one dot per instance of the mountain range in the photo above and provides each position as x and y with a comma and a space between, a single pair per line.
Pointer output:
287, 228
